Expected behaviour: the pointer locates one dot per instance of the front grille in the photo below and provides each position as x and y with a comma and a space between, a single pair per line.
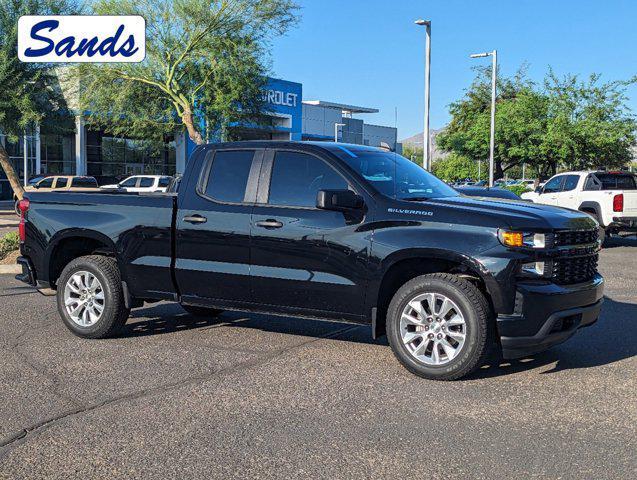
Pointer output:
567, 271
575, 237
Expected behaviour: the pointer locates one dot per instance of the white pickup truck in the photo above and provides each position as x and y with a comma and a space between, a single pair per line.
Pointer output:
609, 197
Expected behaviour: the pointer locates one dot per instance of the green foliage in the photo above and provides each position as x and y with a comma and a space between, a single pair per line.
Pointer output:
455, 167
517, 189
29, 89
205, 65
9, 243
567, 123
413, 153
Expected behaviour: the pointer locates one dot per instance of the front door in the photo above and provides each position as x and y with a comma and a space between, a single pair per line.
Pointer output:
549, 193
305, 260
212, 263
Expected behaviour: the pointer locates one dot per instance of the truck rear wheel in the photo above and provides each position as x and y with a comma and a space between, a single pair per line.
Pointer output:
90, 297
440, 326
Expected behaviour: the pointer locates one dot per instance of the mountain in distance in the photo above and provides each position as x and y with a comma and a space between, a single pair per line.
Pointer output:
416, 141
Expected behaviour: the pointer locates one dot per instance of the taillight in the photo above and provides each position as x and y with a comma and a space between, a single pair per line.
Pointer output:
24, 207
618, 203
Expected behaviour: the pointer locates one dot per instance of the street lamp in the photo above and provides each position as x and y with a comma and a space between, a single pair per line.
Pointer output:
494, 55
336, 125
426, 161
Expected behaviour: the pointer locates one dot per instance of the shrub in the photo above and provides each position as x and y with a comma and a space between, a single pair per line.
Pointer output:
8, 244
517, 189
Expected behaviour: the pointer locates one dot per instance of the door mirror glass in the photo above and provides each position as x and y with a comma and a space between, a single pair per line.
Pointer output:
538, 189
338, 200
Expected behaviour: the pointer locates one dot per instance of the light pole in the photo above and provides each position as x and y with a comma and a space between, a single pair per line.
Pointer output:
336, 125
494, 73
426, 161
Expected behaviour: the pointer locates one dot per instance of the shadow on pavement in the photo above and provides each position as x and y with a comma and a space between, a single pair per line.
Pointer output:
611, 339
615, 241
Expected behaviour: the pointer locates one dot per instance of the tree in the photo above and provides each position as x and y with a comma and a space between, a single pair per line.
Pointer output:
589, 124
413, 153
455, 167
566, 123
204, 66
29, 90
520, 122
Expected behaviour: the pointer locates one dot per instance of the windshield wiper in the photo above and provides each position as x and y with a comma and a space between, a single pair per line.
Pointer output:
415, 199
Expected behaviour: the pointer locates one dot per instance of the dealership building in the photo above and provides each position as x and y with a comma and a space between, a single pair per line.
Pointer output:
96, 153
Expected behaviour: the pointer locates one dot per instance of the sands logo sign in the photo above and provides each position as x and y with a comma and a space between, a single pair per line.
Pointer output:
81, 38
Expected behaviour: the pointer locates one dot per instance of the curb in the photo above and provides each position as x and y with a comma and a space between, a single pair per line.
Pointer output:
10, 269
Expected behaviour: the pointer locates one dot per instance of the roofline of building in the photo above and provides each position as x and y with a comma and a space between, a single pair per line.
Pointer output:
343, 107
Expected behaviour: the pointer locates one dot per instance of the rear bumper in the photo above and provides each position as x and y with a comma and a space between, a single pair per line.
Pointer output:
28, 272
624, 223
547, 315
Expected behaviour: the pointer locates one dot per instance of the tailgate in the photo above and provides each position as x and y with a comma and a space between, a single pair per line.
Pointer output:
630, 203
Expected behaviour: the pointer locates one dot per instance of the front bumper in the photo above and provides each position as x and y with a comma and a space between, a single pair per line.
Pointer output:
548, 314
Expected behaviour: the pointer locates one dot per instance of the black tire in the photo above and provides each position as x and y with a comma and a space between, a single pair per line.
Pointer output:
115, 313
201, 311
480, 329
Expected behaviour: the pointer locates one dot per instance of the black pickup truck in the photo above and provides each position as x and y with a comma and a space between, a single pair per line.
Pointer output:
326, 231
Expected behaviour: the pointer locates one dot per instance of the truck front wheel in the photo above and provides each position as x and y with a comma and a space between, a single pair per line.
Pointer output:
440, 326
90, 297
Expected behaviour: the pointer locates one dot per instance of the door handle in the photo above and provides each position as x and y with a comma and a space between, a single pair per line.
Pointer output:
269, 223
195, 219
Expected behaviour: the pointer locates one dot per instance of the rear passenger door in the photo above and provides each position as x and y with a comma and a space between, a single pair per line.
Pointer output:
305, 260
212, 263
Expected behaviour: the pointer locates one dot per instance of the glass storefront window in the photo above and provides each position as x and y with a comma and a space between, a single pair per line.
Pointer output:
112, 158
57, 154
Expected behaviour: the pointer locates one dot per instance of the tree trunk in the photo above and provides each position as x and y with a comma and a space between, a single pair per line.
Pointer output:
498, 172
193, 133
14, 180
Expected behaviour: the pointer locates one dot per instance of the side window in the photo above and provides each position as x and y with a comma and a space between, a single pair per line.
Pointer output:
554, 185
61, 182
146, 182
570, 183
592, 183
164, 182
228, 176
129, 182
297, 178
46, 183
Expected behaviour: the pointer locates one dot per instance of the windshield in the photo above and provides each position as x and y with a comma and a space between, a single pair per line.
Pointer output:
393, 175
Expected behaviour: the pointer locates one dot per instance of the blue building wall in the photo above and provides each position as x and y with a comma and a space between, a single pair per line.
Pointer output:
281, 97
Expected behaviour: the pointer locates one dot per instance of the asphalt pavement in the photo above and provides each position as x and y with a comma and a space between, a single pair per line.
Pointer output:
250, 396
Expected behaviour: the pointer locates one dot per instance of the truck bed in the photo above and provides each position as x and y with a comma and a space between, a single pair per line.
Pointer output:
137, 226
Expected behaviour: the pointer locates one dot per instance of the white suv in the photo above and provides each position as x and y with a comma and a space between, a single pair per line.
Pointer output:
142, 183
609, 197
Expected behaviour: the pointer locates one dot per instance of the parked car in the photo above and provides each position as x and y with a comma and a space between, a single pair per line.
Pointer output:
488, 192
609, 197
142, 183
328, 231
57, 183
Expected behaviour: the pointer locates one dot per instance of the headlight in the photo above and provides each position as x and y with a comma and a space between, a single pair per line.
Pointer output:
521, 239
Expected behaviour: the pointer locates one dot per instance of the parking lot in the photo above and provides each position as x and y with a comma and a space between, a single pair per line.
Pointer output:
253, 396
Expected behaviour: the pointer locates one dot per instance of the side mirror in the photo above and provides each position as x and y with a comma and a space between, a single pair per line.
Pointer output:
339, 200
538, 189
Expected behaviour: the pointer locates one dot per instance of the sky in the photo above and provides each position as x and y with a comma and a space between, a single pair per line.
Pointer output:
370, 53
